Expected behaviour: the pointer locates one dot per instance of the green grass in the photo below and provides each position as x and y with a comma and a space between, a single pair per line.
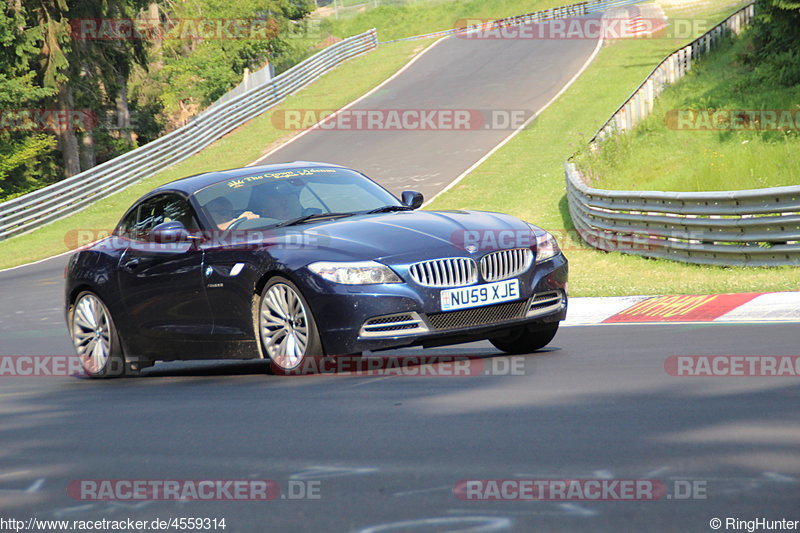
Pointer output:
395, 21
258, 136
526, 178
242, 146
657, 155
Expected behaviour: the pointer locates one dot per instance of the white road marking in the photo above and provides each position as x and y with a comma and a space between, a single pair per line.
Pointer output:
476, 524
71, 510
32, 489
574, 508
774, 476
420, 491
325, 472
514, 133
348, 106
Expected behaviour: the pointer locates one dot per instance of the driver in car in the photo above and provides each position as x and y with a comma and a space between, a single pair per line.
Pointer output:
282, 205
221, 211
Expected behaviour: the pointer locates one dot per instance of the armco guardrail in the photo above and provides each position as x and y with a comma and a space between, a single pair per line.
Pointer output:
572, 10
673, 67
759, 227
64, 198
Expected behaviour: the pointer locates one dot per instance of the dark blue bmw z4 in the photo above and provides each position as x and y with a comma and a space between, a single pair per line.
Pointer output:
301, 261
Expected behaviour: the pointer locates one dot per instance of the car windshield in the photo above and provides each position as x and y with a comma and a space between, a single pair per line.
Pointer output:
275, 197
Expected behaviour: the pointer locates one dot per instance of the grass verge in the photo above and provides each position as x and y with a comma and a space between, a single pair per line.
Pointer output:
245, 144
665, 153
242, 146
405, 20
526, 178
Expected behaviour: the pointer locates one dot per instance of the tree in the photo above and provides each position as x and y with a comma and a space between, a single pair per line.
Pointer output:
774, 53
85, 72
23, 152
196, 72
49, 17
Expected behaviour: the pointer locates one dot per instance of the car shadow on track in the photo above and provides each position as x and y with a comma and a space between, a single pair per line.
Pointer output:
429, 361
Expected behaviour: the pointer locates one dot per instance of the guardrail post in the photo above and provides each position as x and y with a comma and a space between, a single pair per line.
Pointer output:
643, 108
662, 78
688, 59
621, 120
630, 119
66, 197
722, 228
671, 69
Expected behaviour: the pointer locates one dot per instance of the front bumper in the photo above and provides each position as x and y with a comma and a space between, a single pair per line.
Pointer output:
354, 319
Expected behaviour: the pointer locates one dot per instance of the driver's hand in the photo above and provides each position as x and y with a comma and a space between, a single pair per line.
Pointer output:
249, 215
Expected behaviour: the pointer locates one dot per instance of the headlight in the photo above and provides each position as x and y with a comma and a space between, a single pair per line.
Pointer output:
546, 246
356, 273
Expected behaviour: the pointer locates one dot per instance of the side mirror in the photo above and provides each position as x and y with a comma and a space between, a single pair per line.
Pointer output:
170, 233
412, 199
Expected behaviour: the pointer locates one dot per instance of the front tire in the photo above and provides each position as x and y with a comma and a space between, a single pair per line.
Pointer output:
526, 339
95, 337
287, 330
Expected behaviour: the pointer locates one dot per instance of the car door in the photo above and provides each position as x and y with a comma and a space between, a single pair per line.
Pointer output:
162, 283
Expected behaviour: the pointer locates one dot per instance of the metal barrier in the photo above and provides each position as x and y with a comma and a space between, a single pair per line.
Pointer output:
759, 227
673, 67
250, 81
68, 196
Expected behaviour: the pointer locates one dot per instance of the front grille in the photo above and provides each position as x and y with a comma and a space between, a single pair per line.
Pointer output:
545, 302
479, 316
505, 264
388, 319
448, 272
393, 325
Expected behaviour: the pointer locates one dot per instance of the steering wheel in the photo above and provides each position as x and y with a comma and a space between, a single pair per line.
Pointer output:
236, 223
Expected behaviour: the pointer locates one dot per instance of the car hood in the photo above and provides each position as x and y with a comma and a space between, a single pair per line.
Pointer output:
414, 235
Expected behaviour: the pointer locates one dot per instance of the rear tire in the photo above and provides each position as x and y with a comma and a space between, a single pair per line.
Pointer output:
526, 339
287, 330
95, 337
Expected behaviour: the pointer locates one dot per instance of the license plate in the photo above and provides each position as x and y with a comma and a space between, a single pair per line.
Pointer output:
480, 295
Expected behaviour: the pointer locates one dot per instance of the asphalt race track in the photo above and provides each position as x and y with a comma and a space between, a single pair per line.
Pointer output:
384, 453
514, 75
